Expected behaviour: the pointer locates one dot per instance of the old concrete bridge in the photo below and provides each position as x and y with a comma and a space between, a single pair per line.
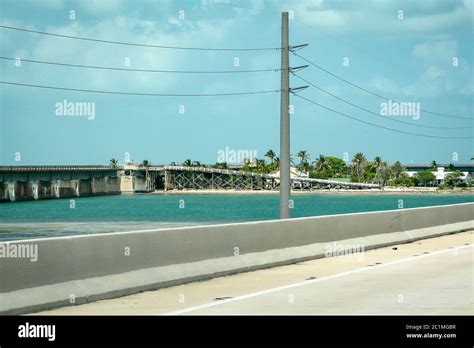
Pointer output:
44, 182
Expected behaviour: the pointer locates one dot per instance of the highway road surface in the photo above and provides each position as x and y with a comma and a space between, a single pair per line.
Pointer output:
432, 276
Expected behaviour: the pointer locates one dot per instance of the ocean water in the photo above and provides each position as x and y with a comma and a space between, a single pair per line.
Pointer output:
52, 218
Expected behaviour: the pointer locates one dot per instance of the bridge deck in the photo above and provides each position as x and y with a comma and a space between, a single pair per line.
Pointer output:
431, 284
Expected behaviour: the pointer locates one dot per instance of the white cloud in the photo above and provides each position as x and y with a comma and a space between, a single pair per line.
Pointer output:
385, 85
432, 82
381, 17
445, 50
195, 33
96, 7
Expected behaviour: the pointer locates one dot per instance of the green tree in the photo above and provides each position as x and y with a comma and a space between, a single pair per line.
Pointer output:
404, 181
187, 163
397, 169
246, 167
304, 166
292, 162
337, 166
261, 166
321, 164
303, 155
271, 155
145, 163
374, 169
385, 173
377, 162
375, 165
425, 178
359, 161
113, 163
434, 165
276, 162
318, 175
220, 165
451, 178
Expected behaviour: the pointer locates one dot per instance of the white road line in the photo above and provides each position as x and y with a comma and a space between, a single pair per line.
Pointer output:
312, 281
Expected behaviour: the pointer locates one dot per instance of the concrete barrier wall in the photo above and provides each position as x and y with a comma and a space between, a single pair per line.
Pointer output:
98, 266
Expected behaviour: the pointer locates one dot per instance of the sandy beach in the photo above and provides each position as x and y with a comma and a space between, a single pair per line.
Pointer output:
385, 190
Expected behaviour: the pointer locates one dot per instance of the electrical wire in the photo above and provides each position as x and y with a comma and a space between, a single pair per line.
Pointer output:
376, 125
137, 94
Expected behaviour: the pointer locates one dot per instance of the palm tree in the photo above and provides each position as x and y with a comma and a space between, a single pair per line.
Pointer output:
384, 173
113, 162
261, 165
451, 167
187, 163
359, 162
397, 169
292, 162
321, 164
145, 163
377, 163
276, 161
196, 164
303, 155
434, 165
271, 155
220, 165
304, 166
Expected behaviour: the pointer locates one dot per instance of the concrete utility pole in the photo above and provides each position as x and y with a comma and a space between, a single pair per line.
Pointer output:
285, 188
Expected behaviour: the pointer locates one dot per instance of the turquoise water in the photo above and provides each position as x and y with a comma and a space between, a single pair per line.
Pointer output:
50, 218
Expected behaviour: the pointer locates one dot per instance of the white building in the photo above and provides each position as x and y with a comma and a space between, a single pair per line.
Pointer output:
441, 174
294, 173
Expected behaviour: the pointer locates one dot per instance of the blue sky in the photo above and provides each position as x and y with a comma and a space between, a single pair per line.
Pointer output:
409, 60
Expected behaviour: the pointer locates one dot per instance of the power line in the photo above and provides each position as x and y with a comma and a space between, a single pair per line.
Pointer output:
138, 44
340, 78
368, 91
143, 70
137, 94
374, 113
379, 126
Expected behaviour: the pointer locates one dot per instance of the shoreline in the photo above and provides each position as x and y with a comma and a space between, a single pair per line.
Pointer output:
387, 191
